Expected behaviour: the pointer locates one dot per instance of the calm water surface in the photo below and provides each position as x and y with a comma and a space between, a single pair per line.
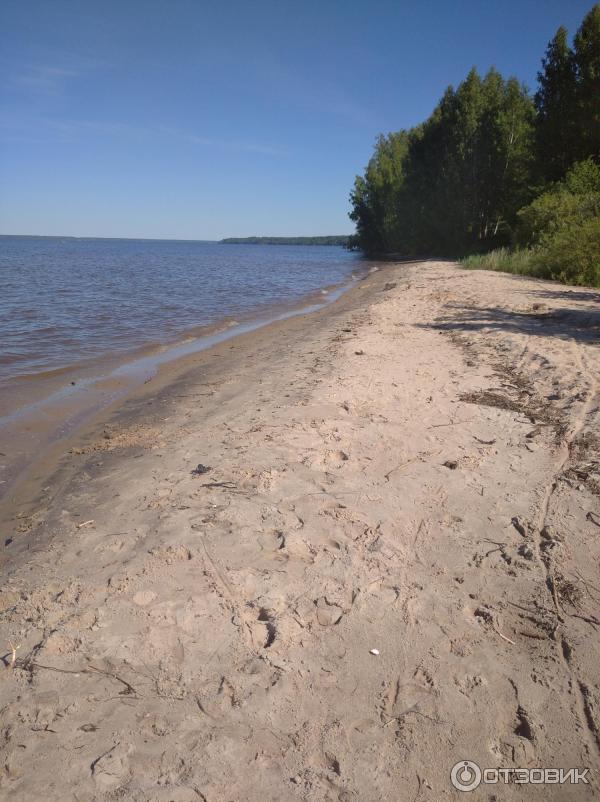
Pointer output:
63, 301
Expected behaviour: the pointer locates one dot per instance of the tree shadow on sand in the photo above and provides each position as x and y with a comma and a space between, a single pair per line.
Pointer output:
573, 295
569, 323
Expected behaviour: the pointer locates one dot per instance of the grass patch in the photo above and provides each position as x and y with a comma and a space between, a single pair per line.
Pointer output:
519, 261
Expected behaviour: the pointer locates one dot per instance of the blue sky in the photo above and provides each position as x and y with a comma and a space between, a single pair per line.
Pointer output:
196, 120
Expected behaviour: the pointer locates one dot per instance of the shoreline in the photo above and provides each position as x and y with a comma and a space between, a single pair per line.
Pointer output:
54, 464
64, 399
323, 560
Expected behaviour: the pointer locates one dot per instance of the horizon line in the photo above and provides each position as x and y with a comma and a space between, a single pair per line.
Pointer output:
172, 239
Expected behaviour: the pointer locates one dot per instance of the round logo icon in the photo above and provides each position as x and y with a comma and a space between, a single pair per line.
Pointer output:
465, 775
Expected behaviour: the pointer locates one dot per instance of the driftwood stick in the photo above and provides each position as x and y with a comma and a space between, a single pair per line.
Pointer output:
90, 669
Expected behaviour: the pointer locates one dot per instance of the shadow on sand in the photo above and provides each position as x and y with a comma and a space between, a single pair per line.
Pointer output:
580, 321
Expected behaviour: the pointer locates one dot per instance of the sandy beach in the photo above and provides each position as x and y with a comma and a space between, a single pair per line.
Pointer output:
325, 560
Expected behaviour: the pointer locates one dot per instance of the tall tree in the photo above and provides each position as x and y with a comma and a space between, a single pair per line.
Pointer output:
469, 172
556, 104
514, 157
587, 63
375, 195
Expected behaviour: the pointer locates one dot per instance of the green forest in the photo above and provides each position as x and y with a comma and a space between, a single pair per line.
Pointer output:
497, 176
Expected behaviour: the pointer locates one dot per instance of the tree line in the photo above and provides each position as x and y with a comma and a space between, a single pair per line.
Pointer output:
332, 239
477, 174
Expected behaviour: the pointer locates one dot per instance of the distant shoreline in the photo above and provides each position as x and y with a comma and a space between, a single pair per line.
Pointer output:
341, 240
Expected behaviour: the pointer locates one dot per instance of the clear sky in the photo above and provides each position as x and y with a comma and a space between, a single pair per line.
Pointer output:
198, 120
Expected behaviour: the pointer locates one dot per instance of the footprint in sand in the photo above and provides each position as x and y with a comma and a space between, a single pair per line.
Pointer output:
144, 597
111, 768
261, 623
328, 459
328, 613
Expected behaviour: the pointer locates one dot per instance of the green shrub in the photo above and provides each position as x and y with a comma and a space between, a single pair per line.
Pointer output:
564, 226
571, 254
566, 204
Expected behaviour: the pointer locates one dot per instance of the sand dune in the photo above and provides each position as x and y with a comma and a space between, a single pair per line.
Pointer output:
387, 563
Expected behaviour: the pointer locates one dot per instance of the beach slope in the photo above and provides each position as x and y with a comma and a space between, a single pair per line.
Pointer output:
324, 561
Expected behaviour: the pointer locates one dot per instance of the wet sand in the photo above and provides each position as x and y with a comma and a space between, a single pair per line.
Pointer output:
40, 410
325, 560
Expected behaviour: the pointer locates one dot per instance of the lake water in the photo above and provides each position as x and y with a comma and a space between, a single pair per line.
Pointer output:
85, 321
66, 301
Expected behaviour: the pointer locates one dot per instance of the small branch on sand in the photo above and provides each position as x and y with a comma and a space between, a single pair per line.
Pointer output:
591, 517
418, 532
554, 591
452, 423
128, 688
587, 585
588, 619
85, 523
399, 718
419, 456
13, 654
90, 669
508, 640
104, 754
398, 467
492, 622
